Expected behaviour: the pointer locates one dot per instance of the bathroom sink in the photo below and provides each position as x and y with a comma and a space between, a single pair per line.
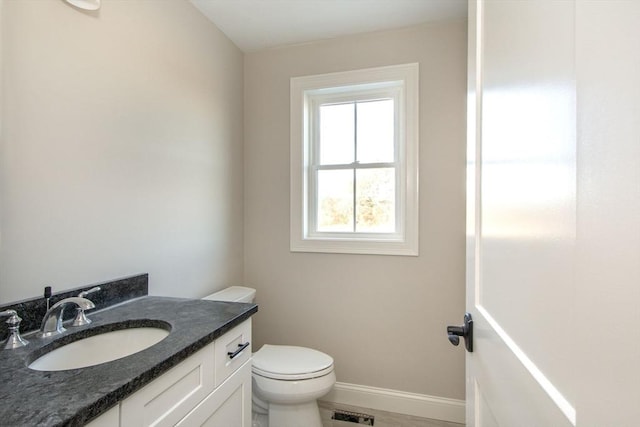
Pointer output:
100, 348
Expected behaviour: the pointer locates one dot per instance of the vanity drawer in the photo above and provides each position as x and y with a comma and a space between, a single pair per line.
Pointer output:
233, 349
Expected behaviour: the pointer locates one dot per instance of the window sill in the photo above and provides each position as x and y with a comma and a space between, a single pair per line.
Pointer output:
352, 246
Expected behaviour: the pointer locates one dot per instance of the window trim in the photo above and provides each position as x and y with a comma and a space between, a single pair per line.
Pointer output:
405, 241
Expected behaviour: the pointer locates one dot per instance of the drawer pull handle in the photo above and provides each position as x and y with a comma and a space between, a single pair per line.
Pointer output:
241, 347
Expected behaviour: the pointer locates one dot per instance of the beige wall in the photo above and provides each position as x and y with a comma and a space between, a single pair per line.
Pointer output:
121, 148
122, 152
382, 318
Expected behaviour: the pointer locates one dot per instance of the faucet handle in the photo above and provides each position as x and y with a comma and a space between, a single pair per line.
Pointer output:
83, 294
81, 318
14, 340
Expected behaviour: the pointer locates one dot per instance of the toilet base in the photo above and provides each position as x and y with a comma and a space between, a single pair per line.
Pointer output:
259, 412
259, 420
305, 415
301, 415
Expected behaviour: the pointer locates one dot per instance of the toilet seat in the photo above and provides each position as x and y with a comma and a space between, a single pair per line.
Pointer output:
283, 362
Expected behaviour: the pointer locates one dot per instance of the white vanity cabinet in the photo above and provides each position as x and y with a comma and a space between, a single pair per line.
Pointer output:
228, 406
209, 388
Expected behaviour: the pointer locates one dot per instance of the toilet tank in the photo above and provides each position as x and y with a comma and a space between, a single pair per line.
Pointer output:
233, 294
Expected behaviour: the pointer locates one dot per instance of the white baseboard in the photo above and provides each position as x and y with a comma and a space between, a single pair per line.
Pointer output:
419, 405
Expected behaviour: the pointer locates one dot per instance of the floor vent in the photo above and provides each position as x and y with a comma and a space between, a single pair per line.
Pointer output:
352, 417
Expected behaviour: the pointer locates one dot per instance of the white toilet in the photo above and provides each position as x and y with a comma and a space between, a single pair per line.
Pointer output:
287, 380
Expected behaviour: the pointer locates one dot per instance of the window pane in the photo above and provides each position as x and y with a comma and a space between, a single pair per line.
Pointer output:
335, 200
375, 131
375, 200
337, 123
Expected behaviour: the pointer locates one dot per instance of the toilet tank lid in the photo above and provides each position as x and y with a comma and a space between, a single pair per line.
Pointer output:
233, 294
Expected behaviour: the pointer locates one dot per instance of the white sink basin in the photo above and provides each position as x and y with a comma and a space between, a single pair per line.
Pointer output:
98, 349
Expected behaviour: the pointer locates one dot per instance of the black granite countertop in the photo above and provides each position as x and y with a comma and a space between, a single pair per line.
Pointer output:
73, 397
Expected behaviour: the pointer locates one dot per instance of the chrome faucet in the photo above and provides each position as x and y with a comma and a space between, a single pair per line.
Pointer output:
81, 319
14, 340
52, 321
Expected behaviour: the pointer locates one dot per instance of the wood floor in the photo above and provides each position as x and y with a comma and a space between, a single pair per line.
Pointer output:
381, 418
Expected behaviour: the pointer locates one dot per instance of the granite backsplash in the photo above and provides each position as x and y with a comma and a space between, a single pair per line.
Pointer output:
112, 292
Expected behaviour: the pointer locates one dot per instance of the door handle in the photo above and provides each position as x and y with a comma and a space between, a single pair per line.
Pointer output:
465, 331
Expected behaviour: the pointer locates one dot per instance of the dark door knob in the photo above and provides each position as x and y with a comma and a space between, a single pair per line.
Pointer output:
465, 331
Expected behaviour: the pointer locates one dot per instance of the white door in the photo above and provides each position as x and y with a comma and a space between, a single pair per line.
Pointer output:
554, 213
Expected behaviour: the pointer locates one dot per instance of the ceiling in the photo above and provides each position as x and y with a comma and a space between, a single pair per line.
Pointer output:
261, 24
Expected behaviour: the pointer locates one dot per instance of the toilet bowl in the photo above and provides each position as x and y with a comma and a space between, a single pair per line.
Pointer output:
286, 380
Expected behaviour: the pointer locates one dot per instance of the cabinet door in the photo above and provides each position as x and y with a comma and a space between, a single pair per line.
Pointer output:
167, 399
228, 406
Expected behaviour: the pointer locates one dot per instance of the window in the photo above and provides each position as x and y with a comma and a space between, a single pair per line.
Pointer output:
354, 162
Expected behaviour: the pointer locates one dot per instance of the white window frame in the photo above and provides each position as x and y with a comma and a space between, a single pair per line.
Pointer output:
398, 81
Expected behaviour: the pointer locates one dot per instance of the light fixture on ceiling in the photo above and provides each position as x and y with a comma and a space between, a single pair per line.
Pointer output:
85, 4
